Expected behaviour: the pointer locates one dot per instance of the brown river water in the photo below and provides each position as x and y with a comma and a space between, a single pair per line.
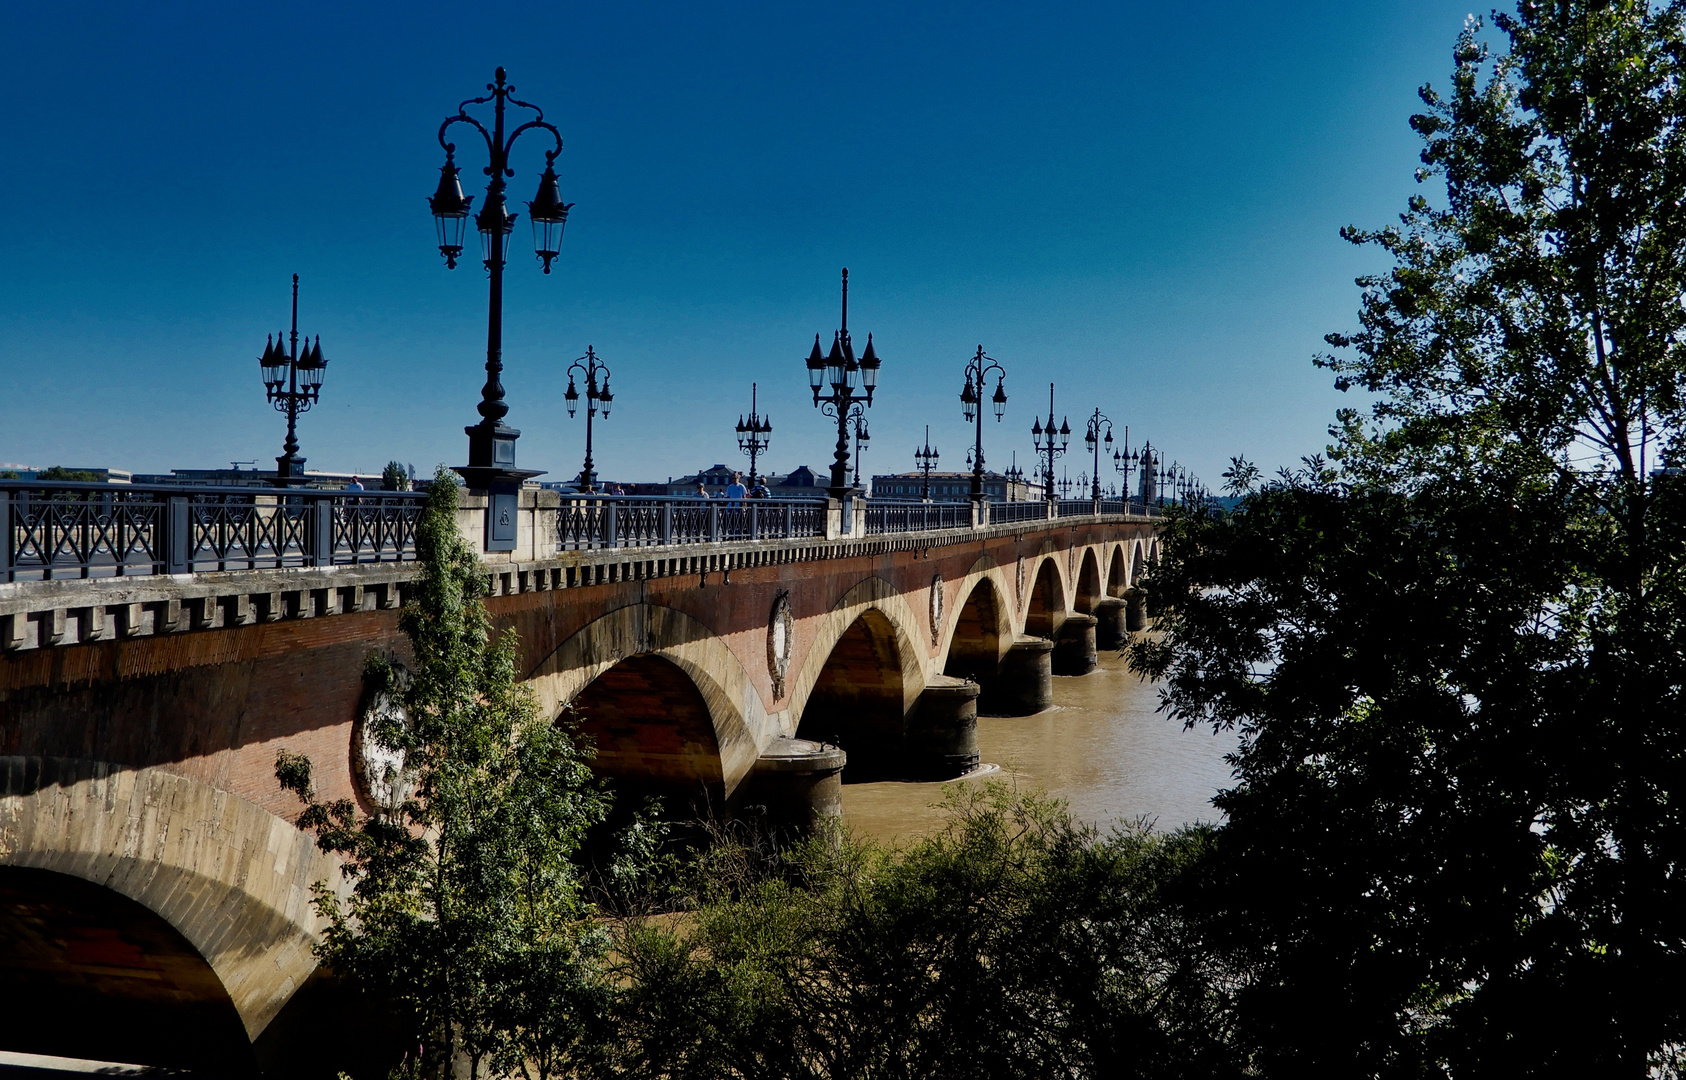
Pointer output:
1102, 748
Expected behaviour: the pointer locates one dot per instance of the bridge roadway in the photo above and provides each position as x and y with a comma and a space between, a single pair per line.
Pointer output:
153, 891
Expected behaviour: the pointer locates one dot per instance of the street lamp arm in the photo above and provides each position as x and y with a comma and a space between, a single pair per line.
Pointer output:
539, 123
464, 118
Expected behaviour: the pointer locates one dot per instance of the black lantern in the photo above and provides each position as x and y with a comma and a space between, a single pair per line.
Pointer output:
548, 214
450, 208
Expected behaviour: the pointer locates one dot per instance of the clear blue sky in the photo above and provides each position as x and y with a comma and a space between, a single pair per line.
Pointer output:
1137, 201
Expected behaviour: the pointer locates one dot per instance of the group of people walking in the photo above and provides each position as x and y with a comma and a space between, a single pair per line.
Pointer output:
735, 491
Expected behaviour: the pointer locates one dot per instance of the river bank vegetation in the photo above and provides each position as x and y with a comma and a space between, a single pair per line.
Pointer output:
1454, 647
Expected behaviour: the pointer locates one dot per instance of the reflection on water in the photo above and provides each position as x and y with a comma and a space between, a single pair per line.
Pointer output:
1101, 747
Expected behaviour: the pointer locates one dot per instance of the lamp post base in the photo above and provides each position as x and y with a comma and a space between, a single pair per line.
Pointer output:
491, 468
289, 471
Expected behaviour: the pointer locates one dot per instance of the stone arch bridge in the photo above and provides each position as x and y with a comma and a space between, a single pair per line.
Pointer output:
154, 895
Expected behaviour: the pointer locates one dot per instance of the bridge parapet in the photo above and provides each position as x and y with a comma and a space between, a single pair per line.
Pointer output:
83, 563
78, 530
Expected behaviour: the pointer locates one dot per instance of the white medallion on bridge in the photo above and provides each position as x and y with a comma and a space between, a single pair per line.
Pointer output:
380, 767
781, 634
936, 610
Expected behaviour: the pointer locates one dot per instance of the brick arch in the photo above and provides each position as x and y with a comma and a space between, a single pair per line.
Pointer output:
857, 700
1138, 562
1089, 589
86, 972
980, 631
231, 878
742, 726
1118, 570
1045, 602
651, 725
828, 627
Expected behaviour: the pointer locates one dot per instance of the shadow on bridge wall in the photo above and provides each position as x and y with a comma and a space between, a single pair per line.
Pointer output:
210, 705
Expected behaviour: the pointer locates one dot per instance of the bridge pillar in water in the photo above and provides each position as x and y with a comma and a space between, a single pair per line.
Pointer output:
1110, 625
1074, 651
1136, 610
941, 739
1025, 682
799, 783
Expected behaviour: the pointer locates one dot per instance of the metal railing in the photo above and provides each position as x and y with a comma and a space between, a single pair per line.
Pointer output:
89, 530
906, 517
80, 530
596, 521
1003, 512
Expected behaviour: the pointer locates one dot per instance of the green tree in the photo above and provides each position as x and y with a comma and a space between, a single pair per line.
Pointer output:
1457, 652
59, 472
1015, 943
465, 909
397, 477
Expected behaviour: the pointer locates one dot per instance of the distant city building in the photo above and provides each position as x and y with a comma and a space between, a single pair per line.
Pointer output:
238, 477
627, 487
87, 474
798, 483
953, 487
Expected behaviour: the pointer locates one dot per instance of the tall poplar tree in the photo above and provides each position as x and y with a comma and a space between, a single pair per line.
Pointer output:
1457, 650
465, 908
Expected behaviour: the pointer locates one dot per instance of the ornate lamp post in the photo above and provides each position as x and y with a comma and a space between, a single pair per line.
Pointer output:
835, 374
598, 398
754, 434
862, 435
978, 369
925, 459
292, 382
1124, 462
1147, 464
1014, 475
491, 442
1051, 443
1093, 437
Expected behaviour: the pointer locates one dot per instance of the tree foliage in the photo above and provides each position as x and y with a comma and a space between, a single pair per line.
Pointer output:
1012, 944
397, 476
465, 908
1456, 652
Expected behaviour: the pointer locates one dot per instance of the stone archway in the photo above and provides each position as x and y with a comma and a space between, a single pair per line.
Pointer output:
980, 634
1046, 608
1089, 584
652, 729
858, 699
86, 972
741, 725
1118, 574
233, 880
